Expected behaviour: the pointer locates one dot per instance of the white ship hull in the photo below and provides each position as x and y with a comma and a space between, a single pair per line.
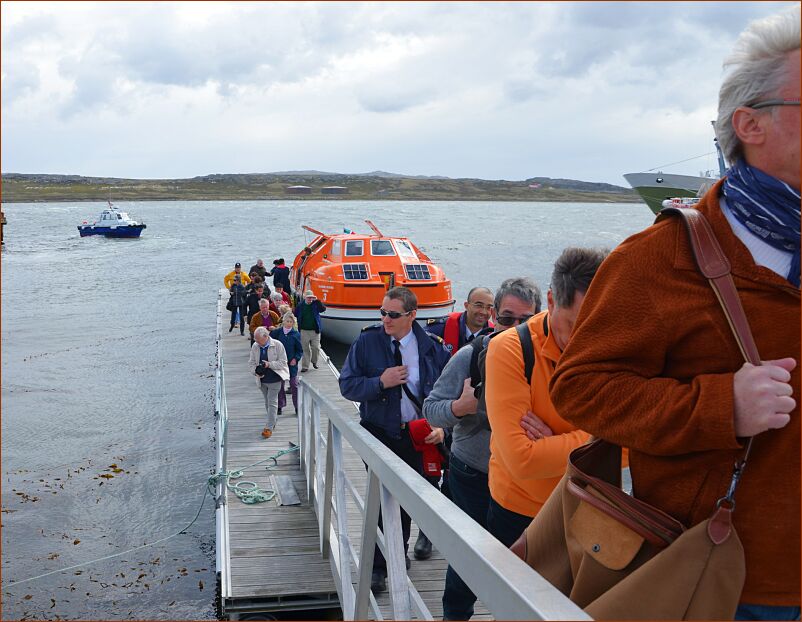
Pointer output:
345, 324
654, 188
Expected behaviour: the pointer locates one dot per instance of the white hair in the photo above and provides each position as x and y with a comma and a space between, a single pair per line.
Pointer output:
759, 68
276, 297
261, 332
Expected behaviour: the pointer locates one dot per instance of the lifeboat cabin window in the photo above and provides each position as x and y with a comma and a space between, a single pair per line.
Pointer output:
335, 248
355, 272
405, 250
354, 248
381, 248
418, 272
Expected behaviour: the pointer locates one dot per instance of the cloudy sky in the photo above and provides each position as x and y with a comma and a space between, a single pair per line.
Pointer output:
583, 90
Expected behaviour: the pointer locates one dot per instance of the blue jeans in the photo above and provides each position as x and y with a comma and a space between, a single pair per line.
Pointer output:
505, 524
470, 492
766, 612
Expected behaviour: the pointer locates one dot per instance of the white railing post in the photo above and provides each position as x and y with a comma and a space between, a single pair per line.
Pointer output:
320, 460
335, 450
394, 555
367, 546
325, 518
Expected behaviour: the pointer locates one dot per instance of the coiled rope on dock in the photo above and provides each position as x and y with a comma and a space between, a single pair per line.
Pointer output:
247, 495
247, 491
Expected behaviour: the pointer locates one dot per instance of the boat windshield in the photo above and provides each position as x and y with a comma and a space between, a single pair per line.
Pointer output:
379, 248
354, 248
405, 249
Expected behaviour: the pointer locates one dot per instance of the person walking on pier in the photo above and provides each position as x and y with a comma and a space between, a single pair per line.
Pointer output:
453, 405
291, 340
237, 304
281, 275
268, 364
460, 328
390, 369
653, 364
258, 268
308, 313
530, 441
267, 318
228, 280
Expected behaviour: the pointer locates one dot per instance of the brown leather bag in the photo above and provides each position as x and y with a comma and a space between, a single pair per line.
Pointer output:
620, 558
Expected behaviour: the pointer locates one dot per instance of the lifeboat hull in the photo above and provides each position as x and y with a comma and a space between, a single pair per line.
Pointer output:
344, 324
350, 274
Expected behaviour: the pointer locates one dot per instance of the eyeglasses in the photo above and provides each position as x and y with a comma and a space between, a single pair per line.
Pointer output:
481, 307
774, 102
509, 320
394, 315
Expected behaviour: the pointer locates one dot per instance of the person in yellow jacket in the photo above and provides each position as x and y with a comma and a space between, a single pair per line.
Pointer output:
237, 271
529, 441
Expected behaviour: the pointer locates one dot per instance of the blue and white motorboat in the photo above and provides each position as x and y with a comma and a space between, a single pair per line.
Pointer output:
113, 224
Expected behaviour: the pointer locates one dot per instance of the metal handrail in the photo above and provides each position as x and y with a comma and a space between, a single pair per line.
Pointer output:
223, 563
507, 586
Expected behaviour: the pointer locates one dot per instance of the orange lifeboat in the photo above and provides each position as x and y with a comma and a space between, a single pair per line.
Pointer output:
350, 272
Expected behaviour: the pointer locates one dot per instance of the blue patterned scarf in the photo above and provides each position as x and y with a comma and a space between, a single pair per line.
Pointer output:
766, 206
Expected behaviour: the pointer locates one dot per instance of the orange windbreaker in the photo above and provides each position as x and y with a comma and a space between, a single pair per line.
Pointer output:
523, 473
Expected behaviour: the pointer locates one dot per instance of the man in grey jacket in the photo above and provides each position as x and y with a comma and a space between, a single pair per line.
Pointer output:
452, 404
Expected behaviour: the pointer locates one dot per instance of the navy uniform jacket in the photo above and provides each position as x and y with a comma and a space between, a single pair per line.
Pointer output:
438, 327
367, 359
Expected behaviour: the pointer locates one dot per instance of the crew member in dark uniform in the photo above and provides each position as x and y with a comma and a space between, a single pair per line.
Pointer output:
390, 369
460, 328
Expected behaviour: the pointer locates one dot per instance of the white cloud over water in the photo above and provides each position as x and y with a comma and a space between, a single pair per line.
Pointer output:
585, 90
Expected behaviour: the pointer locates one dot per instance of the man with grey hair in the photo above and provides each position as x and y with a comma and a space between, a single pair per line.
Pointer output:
268, 364
653, 364
453, 404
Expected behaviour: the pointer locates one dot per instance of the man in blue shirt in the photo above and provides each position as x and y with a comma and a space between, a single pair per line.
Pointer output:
389, 370
460, 328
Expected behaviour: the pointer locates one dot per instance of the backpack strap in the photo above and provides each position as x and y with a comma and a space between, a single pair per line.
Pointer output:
525, 337
477, 345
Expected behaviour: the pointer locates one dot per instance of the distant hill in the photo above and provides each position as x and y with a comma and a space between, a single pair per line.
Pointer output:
32, 187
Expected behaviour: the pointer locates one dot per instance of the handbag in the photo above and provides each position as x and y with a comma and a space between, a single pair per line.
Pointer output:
230, 303
620, 558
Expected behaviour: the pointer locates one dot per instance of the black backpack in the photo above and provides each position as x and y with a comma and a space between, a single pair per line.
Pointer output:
478, 356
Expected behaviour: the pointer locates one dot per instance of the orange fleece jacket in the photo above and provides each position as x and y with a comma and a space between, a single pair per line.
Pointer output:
650, 365
522, 472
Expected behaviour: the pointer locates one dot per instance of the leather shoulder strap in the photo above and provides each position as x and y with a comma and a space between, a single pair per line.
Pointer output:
715, 266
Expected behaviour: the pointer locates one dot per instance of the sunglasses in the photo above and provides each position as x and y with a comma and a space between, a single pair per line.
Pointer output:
394, 315
509, 320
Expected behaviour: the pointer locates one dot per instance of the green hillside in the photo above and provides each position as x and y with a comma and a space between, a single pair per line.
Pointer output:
18, 187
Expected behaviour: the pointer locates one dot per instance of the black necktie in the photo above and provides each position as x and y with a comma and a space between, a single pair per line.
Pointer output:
400, 361
470, 338
397, 352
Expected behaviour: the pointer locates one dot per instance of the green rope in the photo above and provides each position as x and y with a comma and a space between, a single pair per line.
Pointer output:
248, 495
247, 491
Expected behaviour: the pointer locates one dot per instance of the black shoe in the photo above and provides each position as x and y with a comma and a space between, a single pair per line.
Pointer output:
378, 581
314, 365
408, 562
279, 411
423, 547
230, 328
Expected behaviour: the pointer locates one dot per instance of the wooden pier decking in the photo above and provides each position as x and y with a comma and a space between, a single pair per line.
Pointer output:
274, 551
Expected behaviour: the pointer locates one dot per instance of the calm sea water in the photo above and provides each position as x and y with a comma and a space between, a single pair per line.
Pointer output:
108, 375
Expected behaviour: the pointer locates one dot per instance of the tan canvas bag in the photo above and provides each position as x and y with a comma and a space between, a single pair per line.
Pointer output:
619, 558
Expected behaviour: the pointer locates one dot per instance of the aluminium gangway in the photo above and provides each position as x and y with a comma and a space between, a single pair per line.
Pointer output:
273, 558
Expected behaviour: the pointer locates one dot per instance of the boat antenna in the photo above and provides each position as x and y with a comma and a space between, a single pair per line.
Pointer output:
722, 167
375, 228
